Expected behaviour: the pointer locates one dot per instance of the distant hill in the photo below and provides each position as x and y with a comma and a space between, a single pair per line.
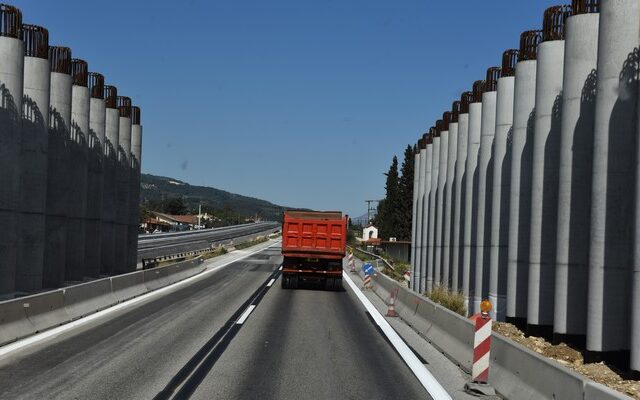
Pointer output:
154, 188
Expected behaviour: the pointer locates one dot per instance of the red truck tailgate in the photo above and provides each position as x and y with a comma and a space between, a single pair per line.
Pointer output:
314, 234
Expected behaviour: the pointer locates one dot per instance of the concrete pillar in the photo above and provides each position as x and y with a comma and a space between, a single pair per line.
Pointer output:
122, 187
452, 153
134, 191
419, 195
485, 187
574, 190
11, 83
33, 159
96, 145
471, 196
58, 179
435, 171
520, 196
425, 164
544, 173
459, 192
501, 187
442, 178
612, 207
109, 199
415, 222
78, 170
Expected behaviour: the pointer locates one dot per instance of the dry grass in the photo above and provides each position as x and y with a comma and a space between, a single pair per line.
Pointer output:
454, 301
258, 240
214, 253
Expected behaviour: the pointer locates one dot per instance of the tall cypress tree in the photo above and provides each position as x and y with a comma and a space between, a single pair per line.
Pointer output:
405, 205
388, 212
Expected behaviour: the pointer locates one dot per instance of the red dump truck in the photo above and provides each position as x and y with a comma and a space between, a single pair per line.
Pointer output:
313, 246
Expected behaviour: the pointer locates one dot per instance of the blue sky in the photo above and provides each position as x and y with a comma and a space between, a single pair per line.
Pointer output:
302, 103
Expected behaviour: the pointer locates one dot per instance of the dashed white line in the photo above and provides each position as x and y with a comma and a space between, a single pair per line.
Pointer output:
280, 269
271, 282
419, 370
245, 315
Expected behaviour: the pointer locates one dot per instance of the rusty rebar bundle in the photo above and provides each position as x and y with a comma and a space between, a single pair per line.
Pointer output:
96, 85
36, 41
491, 83
10, 21
135, 115
79, 72
110, 96
431, 135
509, 61
554, 21
585, 6
60, 59
425, 140
455, 111
439, 128
478, 89
529, 41
446, 119
465, 99
124, 106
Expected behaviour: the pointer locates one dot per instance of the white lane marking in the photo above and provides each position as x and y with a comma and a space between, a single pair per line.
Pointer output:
245, 315
40, 337
419, 370
280, 269
271, 282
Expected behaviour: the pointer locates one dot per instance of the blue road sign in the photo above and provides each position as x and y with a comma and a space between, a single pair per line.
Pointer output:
368, 269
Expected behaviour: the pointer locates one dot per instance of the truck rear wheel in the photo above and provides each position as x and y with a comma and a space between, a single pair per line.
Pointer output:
285, 282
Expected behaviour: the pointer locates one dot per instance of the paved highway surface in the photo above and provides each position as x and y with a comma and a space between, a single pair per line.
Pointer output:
186, 343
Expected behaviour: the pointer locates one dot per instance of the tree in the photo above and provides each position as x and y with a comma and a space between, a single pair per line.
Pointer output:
174, 206
388, 214
405, 205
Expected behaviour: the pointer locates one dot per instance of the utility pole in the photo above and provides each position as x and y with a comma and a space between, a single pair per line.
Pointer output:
199, 215
370, 208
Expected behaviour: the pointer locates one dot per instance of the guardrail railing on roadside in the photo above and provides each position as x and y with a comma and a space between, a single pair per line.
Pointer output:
387, 263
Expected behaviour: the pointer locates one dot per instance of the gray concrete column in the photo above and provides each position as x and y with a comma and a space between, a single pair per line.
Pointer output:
484, 193
134, 191
78, 170
58, 179
574, 190
612, 206
433, 193
520, 196
459, 193
414, 219
419, 173
439, 230
447, 245
96, 145
425, 164
544, 185
501, 191
11, 84
109, 199
122, 188
33, 160
471, 201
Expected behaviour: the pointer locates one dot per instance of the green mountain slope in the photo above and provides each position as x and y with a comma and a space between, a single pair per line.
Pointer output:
155, 188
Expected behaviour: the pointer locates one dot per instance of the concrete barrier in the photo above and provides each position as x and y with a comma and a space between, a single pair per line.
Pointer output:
596, 391
14, 323
46, 310
87, 298
128, 286
155, 278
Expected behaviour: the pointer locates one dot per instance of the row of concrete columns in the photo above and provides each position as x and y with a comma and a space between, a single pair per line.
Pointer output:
69, 163
537, 168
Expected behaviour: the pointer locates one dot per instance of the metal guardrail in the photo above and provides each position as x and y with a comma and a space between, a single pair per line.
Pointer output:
387, 263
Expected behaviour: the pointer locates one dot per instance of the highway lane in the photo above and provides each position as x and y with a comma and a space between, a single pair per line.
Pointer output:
295, 344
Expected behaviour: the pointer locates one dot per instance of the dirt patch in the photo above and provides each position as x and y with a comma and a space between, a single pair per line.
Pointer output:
571, 358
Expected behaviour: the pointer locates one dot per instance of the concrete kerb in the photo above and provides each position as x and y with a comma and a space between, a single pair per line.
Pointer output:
596, 391
87, 298
14, 321
128, 286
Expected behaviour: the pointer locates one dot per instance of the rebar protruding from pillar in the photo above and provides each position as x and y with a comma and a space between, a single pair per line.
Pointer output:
110, 96
36, 41
465, 99
554, 22
124, 105
96, 85
10, 21
455, 111
509, 61
446, 119
529, 41
79, 72
431, 135
135, 115
585, 6
60, 59
491, 83
439, 128
478, 89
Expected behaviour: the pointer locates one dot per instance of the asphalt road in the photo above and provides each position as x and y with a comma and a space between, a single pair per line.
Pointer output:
302, 344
